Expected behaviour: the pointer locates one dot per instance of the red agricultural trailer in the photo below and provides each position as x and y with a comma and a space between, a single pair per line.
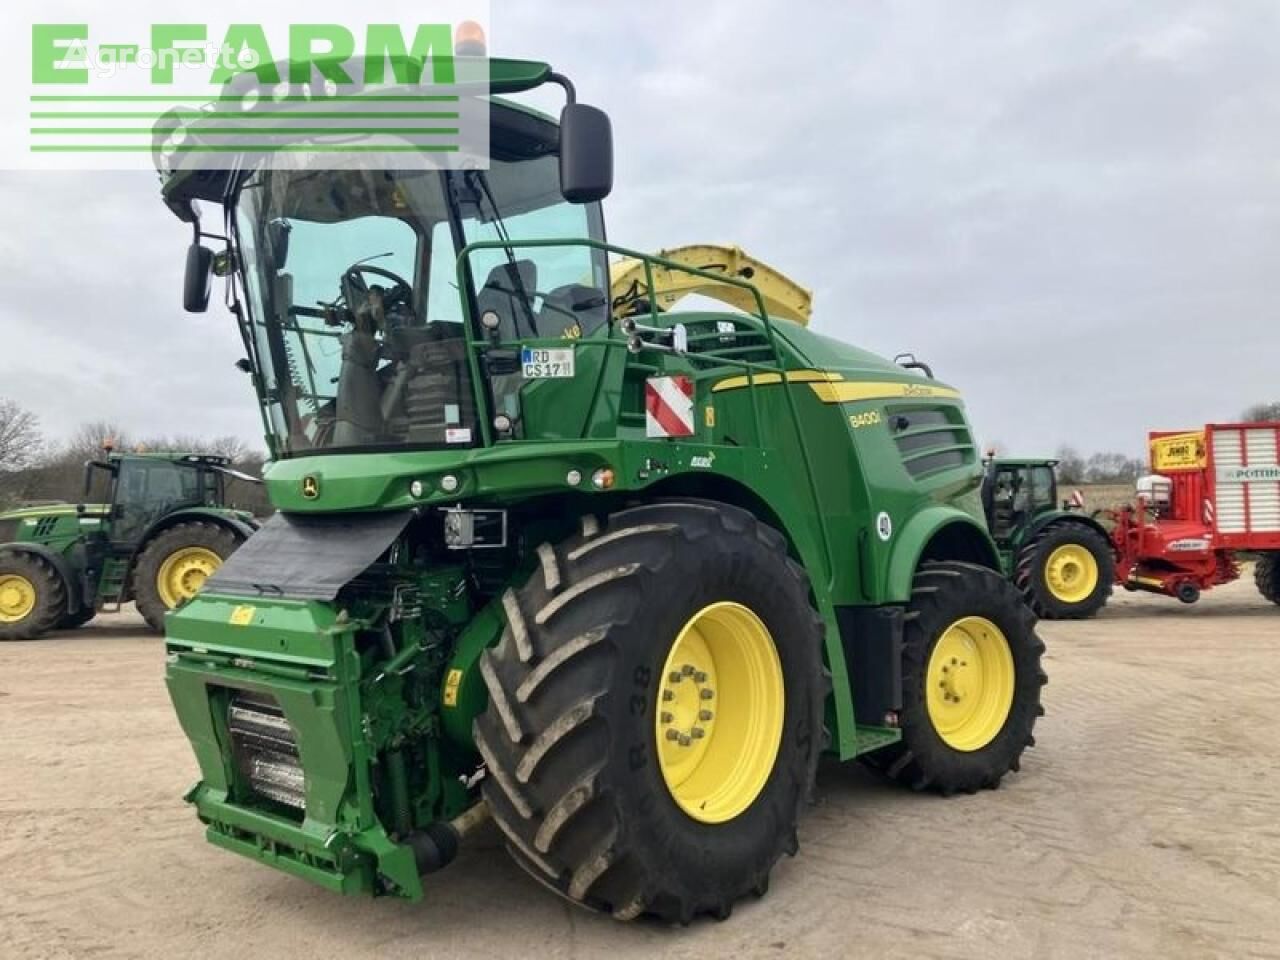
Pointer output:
1212, 494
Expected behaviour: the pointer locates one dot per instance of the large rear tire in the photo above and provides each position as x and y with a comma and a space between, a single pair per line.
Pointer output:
1066, 572
33, 597
1266, 574
971, 682
655, 711
175, 565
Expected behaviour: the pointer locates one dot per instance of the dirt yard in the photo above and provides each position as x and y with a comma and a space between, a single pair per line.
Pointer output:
1146, 823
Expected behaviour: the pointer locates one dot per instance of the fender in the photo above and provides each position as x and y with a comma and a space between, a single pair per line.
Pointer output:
75, 590
1050, 519
973, 544
227, 519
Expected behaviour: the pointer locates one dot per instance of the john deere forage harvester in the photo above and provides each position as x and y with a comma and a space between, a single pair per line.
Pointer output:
612, 575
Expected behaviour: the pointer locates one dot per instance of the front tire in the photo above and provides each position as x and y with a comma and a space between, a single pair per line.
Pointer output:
1066, 572
33, 597
677, 617
971, 682
1266, 574
175, 564
73, 621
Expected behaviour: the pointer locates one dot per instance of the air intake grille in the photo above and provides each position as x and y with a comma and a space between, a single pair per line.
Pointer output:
931, 439
730, 339
266, 749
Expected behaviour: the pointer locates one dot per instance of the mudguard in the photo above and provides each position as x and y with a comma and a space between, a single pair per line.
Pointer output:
307, 556
1049, 519
75, 591
911, 542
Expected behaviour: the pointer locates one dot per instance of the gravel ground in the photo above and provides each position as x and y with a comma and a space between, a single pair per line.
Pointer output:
1146, 823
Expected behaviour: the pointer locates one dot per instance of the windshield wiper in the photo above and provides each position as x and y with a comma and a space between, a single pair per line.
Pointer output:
483, 192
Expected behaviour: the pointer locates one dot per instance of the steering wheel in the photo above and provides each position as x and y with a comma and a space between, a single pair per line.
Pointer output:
355, 286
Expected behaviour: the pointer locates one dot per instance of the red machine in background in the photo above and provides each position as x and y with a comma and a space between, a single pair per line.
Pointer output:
1212, 492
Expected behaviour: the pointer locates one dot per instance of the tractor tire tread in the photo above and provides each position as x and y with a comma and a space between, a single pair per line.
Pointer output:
921, 760
1266, 575
51, 595
558, 772
1028, 573
217, 537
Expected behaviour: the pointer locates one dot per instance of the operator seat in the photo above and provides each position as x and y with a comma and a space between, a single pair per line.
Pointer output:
501, 294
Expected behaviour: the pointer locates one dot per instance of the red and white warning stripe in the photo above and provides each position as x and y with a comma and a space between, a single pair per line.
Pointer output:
668, 407
1077, 499
1208, 511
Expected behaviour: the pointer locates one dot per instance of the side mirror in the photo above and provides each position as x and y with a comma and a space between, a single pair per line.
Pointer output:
198, 281
278, 241
586, 153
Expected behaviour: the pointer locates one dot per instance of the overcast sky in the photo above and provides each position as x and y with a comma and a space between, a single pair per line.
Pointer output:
1072, 210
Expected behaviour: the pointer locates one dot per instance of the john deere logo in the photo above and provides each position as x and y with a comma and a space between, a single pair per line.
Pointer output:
311, 486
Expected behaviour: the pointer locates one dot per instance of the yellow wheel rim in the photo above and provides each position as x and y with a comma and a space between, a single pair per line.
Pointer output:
184, 572
719, 712
1071, 573
970, 682
17, 598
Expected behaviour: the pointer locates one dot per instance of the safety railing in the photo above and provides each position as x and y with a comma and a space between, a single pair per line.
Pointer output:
476, 344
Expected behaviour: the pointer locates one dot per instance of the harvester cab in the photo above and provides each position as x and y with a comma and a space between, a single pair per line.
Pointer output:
612, 573
1061, 559
158, 530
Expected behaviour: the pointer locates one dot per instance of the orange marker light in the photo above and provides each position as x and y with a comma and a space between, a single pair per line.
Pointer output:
468, 40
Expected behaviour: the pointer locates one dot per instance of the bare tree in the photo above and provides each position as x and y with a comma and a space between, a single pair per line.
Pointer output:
1262, 411
1071, 466
20, 440
1112, 467
90, 439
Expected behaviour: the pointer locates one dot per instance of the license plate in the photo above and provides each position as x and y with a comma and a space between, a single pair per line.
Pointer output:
553, 364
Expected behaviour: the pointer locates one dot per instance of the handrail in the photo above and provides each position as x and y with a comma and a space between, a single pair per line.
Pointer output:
649, 260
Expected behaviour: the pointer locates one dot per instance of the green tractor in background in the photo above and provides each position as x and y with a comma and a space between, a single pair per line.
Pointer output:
1060, 559
161, 532
611, 576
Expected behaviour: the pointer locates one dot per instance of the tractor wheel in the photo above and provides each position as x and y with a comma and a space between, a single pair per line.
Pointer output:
1066, 572
32, 596
971, 682
175, 565
71, 621
655, 711
1266, 574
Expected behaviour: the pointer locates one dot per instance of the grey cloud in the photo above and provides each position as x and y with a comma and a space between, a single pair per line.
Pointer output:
1072, 210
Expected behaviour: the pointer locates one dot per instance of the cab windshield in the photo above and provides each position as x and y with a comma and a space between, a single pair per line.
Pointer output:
353, 308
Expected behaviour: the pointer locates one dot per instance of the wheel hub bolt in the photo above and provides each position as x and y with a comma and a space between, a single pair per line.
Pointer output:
687, 670
706, 693
673, 735
685, 739
704, 715
666, 717
697, 733
668, 696
699, 677
674, 676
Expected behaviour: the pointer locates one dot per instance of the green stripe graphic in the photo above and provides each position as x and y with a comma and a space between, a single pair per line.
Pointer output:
233, 131
249, 148
150, 98
263, 115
